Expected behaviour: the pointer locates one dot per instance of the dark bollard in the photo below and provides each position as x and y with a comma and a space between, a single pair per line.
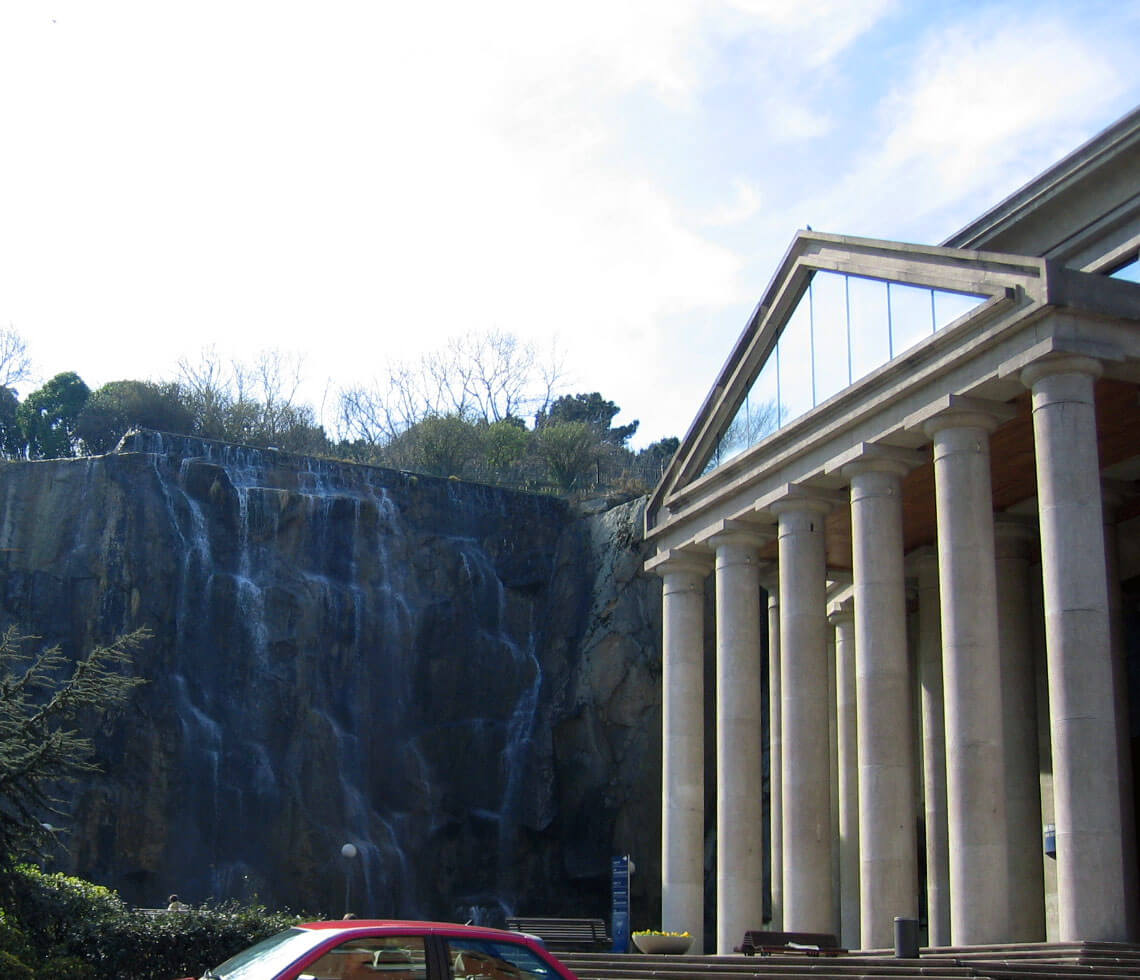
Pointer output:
906, 938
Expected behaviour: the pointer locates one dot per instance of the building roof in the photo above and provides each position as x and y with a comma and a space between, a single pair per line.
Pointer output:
1078, 211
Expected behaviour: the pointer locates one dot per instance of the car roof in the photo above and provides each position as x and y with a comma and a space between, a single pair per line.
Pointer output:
409, 925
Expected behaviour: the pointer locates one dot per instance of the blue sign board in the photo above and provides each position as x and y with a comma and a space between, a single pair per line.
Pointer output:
619, 925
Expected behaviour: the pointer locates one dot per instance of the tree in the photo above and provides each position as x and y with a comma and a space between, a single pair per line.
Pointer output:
500, 375
569, 451
15, 364
120, 406
650, 463
11, 434
205, 388
442, 445
45, 701
592, 409
504, 446
487, 377
48, 415
253, 404
364, 421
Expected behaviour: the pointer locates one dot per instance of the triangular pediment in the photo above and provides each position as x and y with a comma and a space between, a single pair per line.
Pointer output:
838, 309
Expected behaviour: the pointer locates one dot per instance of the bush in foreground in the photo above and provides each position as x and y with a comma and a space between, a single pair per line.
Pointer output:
52, 925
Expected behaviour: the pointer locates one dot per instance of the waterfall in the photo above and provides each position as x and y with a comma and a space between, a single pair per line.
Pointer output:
332, 543
341, 654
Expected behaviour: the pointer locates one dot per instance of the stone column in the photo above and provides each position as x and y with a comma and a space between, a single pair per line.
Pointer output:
775, 767
1113, 497
739, 785
1090, 851
1019, 709
975, 771
843, 619
925, 564
833, 775
803, 694
682, 745
888, 847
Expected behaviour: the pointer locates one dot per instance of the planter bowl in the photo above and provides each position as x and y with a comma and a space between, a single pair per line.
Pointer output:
663, 944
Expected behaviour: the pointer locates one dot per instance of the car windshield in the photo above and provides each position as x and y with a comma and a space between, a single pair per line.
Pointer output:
268, 958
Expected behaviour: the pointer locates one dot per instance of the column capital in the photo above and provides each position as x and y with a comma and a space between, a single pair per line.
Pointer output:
1060, 364
747, 534
797, 497
841, 612
676, 561
960, 411
869, 457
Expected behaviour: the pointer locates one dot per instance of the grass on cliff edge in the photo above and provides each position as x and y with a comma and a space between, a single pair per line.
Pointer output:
63, 928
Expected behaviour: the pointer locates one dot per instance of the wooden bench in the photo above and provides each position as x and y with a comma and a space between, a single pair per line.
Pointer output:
565, 935
809, 943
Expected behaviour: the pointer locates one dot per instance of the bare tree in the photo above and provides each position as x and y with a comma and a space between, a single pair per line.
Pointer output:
480, 377
207, 391
250, 403
495, 371
15, 364
363, 417
278, 378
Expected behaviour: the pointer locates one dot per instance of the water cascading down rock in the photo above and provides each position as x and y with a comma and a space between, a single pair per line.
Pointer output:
426, 669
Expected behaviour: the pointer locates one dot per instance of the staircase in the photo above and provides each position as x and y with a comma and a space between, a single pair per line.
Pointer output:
1022, 961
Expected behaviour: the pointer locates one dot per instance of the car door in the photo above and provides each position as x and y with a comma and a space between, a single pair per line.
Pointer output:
479, 958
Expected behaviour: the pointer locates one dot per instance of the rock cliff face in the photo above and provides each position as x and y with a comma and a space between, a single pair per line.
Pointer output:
462, 681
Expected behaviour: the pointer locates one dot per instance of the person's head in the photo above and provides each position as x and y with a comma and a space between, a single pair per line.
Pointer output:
172, 899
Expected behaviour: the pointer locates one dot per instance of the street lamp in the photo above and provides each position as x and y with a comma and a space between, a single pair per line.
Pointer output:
348, 852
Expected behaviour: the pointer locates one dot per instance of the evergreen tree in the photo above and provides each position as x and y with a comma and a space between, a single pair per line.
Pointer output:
48, 416
46, 702
120, 406
592, 409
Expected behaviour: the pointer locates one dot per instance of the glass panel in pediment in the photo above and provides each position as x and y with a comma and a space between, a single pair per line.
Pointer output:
869, 324
1129, 272
949, 306
794, 351
832, 366
843, 328
912, 315
764, 401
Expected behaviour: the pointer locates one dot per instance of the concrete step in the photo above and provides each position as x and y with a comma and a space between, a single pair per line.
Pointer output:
763, 966
1012, 961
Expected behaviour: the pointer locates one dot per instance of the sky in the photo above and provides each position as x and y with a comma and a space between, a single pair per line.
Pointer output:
612, 181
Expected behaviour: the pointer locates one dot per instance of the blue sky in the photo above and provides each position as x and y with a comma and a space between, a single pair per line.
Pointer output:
356, 182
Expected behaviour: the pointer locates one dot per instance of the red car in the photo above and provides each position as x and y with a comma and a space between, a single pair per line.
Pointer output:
383, 949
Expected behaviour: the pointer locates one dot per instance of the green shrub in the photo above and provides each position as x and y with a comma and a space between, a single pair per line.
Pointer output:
66, 968
12, 968
69, 929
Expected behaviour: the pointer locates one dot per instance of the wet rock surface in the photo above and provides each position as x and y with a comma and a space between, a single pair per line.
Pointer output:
463, 681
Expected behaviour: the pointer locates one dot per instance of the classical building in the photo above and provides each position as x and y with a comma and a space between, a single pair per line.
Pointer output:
911, 501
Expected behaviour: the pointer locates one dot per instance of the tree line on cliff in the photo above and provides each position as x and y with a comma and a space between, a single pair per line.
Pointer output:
485, 407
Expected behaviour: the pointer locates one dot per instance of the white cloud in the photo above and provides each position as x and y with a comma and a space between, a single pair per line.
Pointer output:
817, 32
789, 121
986, 104
746, 202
